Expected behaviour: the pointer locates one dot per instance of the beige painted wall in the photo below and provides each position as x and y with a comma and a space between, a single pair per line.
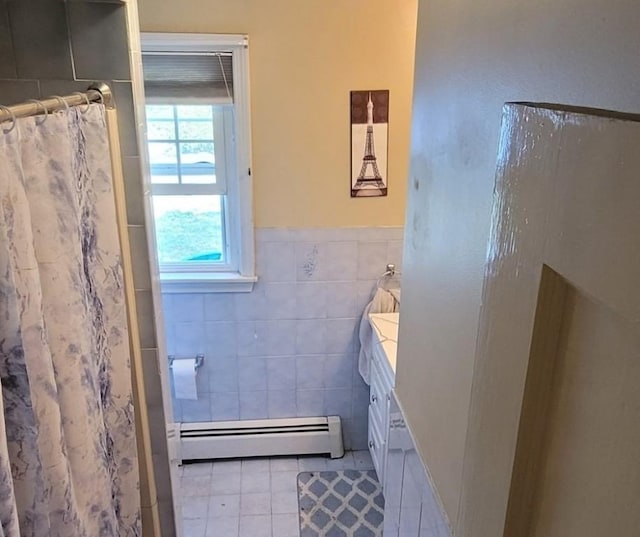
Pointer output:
305, 58
590, 480
471, 57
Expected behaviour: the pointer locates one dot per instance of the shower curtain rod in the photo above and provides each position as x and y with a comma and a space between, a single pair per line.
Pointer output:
99, 92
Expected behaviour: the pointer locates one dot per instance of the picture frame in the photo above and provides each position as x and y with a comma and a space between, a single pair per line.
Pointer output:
369, 143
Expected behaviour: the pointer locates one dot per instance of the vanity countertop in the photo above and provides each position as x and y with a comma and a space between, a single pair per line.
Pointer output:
385, 328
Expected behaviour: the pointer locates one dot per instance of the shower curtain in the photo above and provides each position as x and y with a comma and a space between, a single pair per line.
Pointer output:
68, 464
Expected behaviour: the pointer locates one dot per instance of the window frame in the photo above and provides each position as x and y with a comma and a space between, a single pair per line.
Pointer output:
222, 118
239, 275
224, 153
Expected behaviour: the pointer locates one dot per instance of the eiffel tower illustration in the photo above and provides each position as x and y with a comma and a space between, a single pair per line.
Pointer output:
369, 181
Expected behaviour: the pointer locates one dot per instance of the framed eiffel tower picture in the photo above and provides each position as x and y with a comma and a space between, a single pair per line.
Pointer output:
369, 140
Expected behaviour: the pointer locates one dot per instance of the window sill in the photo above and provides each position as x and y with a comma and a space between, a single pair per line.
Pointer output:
206, 282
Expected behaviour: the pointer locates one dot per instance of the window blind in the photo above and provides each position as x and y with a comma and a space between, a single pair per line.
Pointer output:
188, 75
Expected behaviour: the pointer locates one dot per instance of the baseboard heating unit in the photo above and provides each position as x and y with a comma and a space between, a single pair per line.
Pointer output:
261, 438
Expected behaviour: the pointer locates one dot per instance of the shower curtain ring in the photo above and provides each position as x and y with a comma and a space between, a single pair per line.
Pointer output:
84, 96
62, 100
41, 105
13, 119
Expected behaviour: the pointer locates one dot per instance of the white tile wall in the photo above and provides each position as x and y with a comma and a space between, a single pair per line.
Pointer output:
289, 348
281, 402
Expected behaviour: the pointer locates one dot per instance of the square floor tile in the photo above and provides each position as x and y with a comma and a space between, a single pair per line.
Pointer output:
255, 482
195, 527
285, 525
362, 460
284, 481
196, 507
258, 503
284, 502
197, 469
283, 464
254, 497
311, 464
222, 527
255, 526
255, 465
226, 467
344, 463
224, 505
199, 485
225, 484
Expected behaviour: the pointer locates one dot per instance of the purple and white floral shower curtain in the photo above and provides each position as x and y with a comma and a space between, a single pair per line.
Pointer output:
68, 464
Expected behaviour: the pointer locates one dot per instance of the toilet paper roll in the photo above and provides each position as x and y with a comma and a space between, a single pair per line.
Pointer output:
184, 378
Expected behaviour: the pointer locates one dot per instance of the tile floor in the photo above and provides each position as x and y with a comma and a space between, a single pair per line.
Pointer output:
251, 497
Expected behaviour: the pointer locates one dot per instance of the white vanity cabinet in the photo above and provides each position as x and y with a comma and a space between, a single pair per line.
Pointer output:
382, 380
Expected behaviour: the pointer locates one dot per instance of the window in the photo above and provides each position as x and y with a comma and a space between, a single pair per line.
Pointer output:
197, 108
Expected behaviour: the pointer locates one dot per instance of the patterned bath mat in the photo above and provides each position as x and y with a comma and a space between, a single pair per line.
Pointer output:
345, 503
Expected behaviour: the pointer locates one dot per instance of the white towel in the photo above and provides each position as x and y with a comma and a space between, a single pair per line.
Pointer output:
382, 302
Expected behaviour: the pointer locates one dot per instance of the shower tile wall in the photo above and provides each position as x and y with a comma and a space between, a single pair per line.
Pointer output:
289, 348
50, 47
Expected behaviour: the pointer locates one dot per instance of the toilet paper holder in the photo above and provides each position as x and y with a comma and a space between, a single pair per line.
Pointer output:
199, 360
